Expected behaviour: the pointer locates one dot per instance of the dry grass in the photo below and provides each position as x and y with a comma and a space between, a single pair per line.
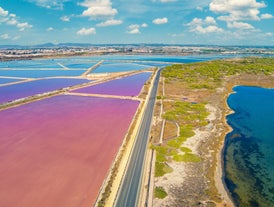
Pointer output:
170, 130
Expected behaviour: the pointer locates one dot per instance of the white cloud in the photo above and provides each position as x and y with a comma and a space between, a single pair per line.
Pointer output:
85, 31
49, 4
4, 20
237, 10
134, 29
8, 37
197, 21
210, 20
16, 37
5, 36
65, 19
239, 25
160, 20
199, 8
166, 1
12, 22
11, 19
110, 22
23, 26
208, 29
50, 29
208, 25
267, 16
144, 25
98, 9
269, 34
3, 13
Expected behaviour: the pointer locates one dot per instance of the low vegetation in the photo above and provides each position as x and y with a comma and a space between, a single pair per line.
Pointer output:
209, 75
189, 88
189, 116
159, 192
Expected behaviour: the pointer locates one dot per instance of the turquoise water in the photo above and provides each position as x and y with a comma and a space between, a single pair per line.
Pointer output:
249, 149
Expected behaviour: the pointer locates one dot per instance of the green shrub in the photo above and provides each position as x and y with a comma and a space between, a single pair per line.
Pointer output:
159, 192
160, 157
175, 143
161, 169
186, 150
188, 157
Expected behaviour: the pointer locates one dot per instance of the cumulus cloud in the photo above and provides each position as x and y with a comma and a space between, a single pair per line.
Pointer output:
160, 21
23, 26
232, 10
208, 29
65, 19
16, 37
111, 22
198, 21
5, 36
134, 29
3, 13
49, 4
98, 9
12, 22
87, 31
144, 25
239, 25
267, 16
50, 29
8, 37
199, 8
11, 19
166, 1
210, 20
208, 25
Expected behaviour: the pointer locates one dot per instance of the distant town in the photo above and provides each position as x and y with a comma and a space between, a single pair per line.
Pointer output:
10, 52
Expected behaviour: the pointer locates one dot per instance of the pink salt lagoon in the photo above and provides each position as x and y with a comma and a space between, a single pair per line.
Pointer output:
128, 86
56, 152
22, 90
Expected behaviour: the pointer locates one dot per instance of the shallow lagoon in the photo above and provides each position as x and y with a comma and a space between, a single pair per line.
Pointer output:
8, 80
249, 152
52, 63
127, 86
40, 73
22, 90
48, 146
119, 67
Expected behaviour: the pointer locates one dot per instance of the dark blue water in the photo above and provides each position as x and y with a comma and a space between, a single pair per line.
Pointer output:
249, 149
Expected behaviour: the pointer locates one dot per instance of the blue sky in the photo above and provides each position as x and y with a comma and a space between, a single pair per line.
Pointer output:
220, 22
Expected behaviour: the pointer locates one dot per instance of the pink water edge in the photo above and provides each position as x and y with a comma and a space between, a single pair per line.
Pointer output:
57, 152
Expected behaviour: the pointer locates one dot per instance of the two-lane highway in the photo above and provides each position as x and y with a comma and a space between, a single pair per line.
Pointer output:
128, 194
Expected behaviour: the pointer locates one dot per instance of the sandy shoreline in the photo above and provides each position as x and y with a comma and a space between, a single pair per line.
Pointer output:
219, 173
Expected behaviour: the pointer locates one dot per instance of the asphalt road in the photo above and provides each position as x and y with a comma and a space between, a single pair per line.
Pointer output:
128, 195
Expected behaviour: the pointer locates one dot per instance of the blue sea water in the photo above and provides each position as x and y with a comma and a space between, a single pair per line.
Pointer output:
249, 148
